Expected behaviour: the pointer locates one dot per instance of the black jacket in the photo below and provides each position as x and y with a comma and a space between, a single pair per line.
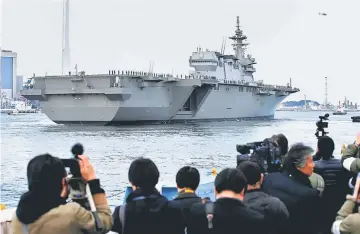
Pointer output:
149, 215
180, 208
301, 200
230, 216
272, 208
336, 188
331, 171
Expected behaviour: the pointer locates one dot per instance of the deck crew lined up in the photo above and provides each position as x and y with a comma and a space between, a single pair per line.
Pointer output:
309, 194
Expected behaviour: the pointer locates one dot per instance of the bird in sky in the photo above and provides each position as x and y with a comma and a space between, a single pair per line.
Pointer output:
322, 14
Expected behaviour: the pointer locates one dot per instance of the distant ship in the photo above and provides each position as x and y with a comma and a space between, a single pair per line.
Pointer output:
340, 111
221, 87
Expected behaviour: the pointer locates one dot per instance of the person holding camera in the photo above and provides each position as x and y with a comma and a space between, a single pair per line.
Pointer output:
350, 158
43, 209
348, 217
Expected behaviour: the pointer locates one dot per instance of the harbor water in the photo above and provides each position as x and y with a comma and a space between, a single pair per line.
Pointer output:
112, 148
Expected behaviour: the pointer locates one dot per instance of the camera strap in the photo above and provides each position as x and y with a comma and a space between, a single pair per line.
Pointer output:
122, 213
209, 210
25, 229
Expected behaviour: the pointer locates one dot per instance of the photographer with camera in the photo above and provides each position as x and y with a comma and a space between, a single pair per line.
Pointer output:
267, 154
244, 154
282, 142
43, 209
350, 158
348, 217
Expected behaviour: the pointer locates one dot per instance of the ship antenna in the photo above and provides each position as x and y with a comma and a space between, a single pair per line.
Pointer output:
150, 67
237, 23
223, 51
66, 38
222, 45
238, 39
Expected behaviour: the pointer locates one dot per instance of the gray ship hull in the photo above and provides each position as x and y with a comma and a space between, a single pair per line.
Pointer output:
221, 87
134, 100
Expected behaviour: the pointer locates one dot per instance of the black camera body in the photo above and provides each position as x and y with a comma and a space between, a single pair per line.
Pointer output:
76, 184
264, 153
321, 125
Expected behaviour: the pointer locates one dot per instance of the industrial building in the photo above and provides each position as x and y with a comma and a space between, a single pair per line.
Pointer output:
11, 84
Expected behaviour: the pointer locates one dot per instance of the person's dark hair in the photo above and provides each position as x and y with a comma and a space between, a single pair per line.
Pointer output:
297, 156
282, 142
251, 170
188, 177
143, 173
326, 147
45, 174
230, 179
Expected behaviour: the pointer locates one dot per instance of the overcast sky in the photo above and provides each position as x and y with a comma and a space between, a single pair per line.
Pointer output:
288, 38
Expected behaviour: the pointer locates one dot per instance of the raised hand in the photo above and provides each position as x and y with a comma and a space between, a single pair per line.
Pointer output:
86, 168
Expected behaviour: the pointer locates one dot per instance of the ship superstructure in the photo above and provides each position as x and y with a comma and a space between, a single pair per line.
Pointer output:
221, 87
236, 68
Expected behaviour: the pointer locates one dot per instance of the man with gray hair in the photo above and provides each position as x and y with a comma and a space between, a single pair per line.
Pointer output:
293, 187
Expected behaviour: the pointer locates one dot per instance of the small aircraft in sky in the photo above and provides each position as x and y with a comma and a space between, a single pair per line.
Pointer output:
322, 14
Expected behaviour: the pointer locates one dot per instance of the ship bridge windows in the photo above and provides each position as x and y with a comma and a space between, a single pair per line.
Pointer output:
204, 61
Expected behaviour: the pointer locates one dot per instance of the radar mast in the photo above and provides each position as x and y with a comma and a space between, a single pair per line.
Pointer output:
238, 38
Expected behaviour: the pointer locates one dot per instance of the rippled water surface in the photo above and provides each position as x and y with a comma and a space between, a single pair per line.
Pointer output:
111, 149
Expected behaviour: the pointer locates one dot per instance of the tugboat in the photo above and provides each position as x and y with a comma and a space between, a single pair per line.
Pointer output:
340, 111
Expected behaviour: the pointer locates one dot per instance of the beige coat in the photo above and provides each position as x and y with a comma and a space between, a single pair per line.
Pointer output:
70, 218
347, 221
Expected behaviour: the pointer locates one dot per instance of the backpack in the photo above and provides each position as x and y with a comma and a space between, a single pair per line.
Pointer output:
122, 213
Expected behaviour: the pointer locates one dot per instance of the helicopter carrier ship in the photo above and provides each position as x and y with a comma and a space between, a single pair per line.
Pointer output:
221, 87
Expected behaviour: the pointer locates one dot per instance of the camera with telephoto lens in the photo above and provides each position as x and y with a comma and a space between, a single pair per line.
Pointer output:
321, 125
264, 153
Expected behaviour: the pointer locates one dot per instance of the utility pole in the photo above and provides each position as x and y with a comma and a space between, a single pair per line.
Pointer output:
65, 37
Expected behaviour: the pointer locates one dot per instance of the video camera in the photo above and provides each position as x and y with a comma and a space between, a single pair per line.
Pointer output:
321, 124
264, 153
79, 190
